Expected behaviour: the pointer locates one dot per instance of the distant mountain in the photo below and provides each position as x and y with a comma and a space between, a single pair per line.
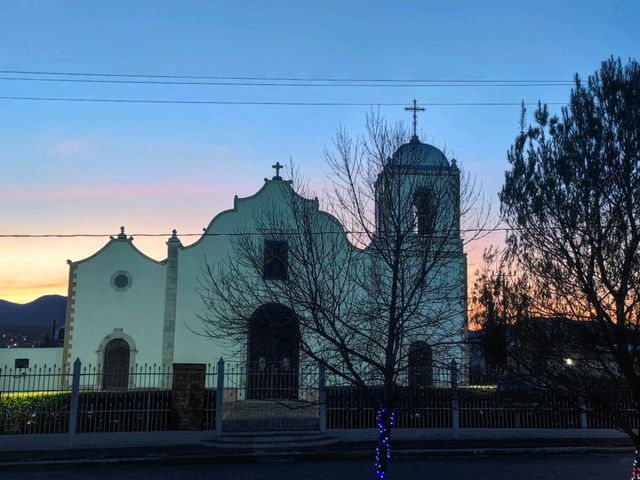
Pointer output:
39, 313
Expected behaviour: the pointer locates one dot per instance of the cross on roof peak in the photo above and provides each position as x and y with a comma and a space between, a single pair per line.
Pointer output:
277, 168
415, 109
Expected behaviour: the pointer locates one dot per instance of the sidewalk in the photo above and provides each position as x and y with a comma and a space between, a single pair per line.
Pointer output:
185, 447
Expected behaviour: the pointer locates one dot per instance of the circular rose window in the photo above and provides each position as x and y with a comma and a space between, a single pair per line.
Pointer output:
121, 281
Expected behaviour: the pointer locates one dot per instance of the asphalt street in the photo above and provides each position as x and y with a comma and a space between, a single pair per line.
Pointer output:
569, 467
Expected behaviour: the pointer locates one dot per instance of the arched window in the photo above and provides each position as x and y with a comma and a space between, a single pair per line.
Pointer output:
424, 213
420, 365
116, 365
414, 213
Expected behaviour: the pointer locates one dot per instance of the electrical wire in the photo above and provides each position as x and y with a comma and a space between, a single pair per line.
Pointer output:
284, 79
267, 103
278, 84
222, 234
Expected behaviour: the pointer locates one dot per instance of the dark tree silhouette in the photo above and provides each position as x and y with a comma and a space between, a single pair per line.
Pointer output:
572, 199
498, 303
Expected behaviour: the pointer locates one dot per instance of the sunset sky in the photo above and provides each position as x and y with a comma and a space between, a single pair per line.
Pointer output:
89, 167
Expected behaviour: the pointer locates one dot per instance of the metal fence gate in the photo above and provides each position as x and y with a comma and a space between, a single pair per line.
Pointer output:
270, 397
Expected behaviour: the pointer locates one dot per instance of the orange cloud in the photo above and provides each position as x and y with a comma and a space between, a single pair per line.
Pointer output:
27, 292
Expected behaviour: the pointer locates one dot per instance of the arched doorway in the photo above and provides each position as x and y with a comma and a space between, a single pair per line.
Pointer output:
273, 353
115, 375
420, 365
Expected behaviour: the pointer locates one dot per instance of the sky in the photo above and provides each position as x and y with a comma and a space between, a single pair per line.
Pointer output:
90, 167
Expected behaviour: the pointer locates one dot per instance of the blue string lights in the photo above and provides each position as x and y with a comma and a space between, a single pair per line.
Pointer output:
385, 442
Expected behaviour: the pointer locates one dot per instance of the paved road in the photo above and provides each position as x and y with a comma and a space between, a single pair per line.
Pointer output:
601, 467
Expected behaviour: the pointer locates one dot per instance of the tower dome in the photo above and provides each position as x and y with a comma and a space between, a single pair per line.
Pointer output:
420, 156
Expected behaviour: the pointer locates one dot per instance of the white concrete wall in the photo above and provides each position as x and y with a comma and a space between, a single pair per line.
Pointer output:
189, 346
100, 311
38, 357
42, 374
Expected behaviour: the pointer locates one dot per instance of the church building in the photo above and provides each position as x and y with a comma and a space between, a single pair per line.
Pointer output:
124, 308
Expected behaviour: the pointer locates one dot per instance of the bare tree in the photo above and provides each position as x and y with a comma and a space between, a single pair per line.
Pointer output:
377, 282
572, 199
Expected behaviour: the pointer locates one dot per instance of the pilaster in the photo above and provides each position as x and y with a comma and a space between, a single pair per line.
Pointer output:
69, 318
170, 296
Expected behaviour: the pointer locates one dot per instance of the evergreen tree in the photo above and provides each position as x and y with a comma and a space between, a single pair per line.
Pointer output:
572, 200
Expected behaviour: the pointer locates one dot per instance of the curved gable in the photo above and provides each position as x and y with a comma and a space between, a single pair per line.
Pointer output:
228, 221
117, 243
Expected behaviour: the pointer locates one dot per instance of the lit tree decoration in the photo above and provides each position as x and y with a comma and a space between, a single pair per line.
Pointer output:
381, 470
636, 467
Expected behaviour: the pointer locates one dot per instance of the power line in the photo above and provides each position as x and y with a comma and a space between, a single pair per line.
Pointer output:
283, 84
226, 234
283, 79
267, 103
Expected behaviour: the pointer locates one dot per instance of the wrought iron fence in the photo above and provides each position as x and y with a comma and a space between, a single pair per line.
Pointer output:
34, 400
351, 407
38, 400
281, 397
488, 407
609, 414
424, 404
137, 401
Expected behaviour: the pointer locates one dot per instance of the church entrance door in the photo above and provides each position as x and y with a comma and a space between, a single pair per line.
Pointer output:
116, 365
273, 353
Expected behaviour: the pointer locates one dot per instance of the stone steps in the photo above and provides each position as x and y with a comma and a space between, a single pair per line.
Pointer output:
278, 441
270, 415
271, 423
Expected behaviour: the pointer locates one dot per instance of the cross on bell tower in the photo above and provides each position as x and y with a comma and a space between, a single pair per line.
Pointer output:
415, 109
277, 168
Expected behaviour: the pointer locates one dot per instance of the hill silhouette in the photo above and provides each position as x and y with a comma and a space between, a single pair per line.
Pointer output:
39, 313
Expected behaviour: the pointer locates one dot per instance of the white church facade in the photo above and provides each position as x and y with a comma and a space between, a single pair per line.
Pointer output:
125, 308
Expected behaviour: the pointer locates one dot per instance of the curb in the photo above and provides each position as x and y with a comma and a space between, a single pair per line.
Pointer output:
275, 456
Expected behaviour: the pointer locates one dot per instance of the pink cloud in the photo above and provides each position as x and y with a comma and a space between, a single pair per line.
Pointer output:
180, 189
71, 147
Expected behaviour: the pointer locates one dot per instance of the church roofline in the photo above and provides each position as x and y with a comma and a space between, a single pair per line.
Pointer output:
234, 209
289, 184
129, 241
